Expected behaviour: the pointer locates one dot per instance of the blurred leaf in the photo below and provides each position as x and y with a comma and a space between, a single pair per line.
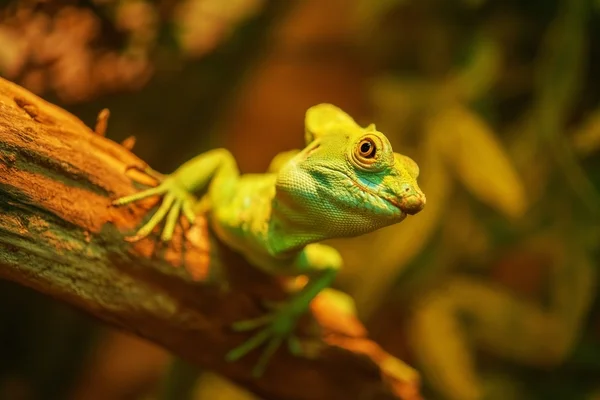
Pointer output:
529, 331
482, 69
369, 13
463, 233
573, 286
212, 386
559, 77
478, 159
595, 395
179, 380
202, 24
474, 3
586, 138
502, 386
559, 66
398, 100
11, 50
533, 164
441, 348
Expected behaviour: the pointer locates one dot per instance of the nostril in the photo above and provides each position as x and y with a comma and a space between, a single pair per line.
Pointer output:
407, 189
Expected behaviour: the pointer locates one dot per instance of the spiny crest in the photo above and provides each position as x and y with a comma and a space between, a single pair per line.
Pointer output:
323, 118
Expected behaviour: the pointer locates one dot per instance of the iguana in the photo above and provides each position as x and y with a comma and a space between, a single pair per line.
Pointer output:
346, 182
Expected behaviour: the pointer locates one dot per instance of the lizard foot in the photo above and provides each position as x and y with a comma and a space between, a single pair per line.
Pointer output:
176, 200
278, 326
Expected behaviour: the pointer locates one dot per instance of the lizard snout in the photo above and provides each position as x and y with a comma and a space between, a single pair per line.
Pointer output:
412, 199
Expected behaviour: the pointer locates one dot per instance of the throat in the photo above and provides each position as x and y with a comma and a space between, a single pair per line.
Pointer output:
291, 228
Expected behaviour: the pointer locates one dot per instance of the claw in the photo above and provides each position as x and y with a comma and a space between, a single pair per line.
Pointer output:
188, 212
172, 217
294, 346
139, 196
155, 220
248, 325
279, 326
272, 347
249, 345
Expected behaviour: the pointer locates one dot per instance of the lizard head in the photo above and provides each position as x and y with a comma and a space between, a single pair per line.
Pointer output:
348, 178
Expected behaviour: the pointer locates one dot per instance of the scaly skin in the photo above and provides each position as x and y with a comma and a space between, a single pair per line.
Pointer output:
346, 182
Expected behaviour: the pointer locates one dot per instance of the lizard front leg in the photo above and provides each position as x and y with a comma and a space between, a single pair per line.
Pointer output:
216, 166
320, 263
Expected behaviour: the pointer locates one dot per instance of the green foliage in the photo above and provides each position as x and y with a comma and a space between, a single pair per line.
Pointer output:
509, 122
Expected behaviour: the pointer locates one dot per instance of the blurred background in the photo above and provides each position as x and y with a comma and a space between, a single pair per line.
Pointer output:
490, 292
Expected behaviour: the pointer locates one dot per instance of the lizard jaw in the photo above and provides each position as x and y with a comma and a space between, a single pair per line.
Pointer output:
391, 202
395, 204
394, 208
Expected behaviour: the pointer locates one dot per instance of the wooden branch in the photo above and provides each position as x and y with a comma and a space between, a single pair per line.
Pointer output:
59, 235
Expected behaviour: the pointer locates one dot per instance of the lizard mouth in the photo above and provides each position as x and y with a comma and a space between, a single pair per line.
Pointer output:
390, 201
406, 208
394, 203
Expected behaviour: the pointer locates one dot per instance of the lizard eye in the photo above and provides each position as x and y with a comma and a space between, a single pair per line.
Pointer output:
367, 152
371, 152
367, 148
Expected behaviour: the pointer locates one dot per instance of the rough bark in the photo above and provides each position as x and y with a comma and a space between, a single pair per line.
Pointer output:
60, 236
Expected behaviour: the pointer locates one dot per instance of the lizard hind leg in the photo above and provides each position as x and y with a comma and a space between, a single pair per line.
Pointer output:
278, 327
321, 264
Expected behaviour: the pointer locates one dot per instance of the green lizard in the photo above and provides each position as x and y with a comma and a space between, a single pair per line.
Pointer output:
346, 182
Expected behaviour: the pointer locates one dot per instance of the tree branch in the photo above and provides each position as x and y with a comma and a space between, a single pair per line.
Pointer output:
59, 235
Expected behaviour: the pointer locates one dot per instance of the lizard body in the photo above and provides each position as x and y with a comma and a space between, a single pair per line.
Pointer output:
346, 182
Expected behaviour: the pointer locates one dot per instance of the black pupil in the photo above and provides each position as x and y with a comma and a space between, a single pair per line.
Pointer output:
365, 148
